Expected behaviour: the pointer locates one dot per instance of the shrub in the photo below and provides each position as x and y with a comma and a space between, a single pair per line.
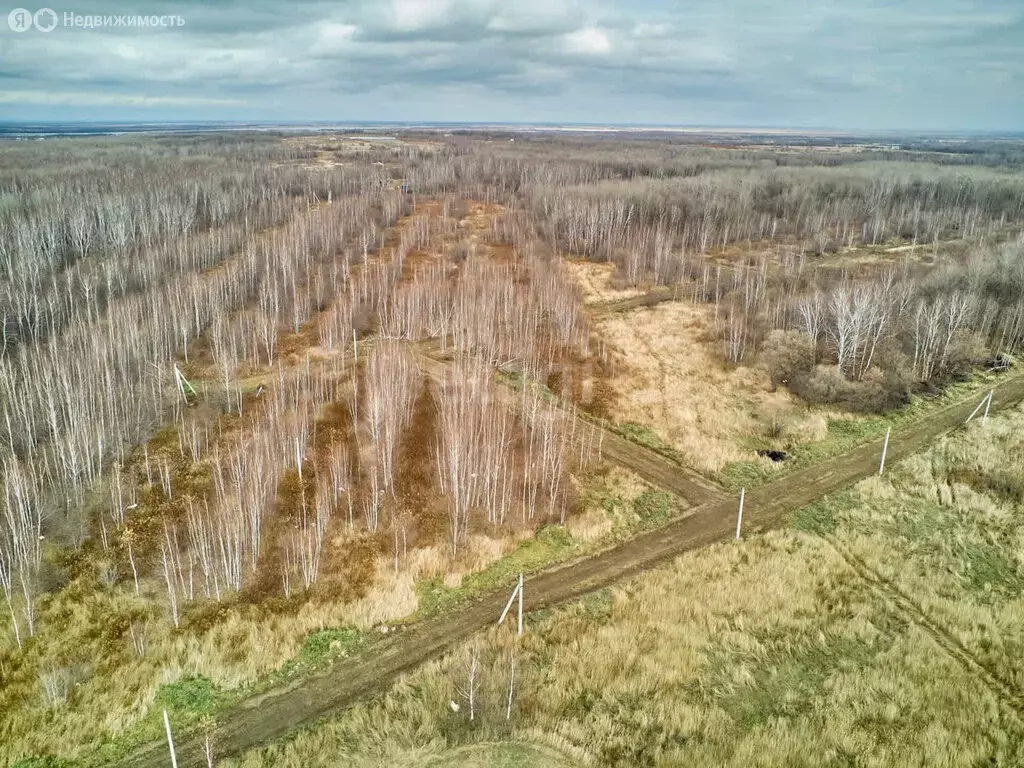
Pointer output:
879, 392
655, 507
189, 694
58, 682
786, 356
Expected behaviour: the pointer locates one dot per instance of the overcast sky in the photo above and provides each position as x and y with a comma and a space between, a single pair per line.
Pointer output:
846, 64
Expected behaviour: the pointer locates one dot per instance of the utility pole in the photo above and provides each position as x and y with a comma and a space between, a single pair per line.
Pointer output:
986, 403
885, 449
739, 517
170, 740
517, 592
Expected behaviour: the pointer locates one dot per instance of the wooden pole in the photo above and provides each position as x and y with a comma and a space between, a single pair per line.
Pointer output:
519, 589
739, 517
508, 605
170, 740
988, 404
885, 449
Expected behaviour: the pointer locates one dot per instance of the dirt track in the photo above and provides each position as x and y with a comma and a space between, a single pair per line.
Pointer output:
273, 715
649, 299
657, 470
650, 465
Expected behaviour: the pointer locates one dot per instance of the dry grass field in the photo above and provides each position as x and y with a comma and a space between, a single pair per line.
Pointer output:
669, 377
599, 282
880, 629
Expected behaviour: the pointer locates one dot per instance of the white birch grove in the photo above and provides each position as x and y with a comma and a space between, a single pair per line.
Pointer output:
233, 295
463, 402
392, 385
497, 453
20, 540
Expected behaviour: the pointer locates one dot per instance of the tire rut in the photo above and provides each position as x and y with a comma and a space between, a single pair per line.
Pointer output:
903, 605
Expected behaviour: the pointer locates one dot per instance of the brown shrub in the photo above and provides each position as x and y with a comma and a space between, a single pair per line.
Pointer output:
786, 355
880, 391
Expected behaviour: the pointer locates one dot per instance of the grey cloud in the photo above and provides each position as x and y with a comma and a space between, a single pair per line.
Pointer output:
920, 63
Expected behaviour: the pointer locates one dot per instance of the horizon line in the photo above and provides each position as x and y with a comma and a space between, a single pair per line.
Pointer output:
520, 125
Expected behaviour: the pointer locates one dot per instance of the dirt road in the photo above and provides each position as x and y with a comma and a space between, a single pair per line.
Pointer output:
656, 469
651, 298
273, 715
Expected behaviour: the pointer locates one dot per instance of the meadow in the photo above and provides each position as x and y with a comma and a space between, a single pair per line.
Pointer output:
880, 628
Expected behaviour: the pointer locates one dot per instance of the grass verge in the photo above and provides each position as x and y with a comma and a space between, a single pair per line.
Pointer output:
844, 434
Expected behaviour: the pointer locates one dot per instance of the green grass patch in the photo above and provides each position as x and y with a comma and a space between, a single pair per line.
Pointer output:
321, 648
551, 544
988, 569
822, 516
647, 437
630, 514
655, 507
557, 623
786, 679
620, 509
188, 696
746, 474
515, 381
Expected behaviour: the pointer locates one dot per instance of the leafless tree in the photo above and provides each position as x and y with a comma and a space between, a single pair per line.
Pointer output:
470, 690
21, 534
6, 582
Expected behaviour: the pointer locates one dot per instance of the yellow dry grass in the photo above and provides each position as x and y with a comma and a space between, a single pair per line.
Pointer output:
944, 527
765, 652
668, 377
242, 645
607, 505
498, 755
592, 524
596, 282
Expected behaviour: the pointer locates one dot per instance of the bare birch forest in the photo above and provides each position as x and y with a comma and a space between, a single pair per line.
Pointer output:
232, 365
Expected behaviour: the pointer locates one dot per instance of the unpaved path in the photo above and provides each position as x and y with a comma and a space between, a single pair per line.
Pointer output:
656, 469
649, 299
273, 715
